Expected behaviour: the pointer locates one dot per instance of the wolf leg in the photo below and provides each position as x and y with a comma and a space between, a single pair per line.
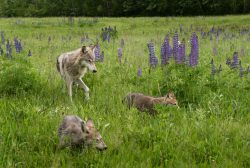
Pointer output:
85, 88
69, 86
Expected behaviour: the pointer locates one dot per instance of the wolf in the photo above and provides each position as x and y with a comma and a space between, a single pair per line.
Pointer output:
75, 132
146, 103
74, 65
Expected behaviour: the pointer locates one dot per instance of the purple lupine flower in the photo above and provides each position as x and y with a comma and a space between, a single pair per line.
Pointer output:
8, 50
183, 53
108, 38
175, 45
242, 52
166, 51
220, 68
215, 51
102, 56
153, 61
194, 54
29, 53
212, 61
241, 70
139, 72
97, 52
2, 37
18, 45
169, 50
228, 62
203, 35
163, 54
181, 29
120, 54
213, 71
49, 39
235, 62
181, 56
211, 37
1, 51
122, 43
248, 69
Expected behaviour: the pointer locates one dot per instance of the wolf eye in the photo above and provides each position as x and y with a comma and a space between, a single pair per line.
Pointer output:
90, 60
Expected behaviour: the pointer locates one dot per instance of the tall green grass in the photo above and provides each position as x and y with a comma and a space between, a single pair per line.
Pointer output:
210, 129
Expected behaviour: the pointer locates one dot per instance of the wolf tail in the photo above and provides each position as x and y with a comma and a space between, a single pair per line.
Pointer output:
58, 64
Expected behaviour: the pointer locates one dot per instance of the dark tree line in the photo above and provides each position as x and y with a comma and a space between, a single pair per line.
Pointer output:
122, 7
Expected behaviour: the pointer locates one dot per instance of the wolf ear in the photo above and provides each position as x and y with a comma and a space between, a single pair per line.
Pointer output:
170, 95
84, 49
84, 128
90, 123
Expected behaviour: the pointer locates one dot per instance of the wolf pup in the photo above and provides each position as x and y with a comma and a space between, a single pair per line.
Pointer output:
74, 132
74, 65
146, 103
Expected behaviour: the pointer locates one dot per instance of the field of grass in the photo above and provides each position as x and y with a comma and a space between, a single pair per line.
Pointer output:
210, 129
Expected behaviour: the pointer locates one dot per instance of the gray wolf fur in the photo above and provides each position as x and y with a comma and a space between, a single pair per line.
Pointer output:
74, 65
73, 131
146, 103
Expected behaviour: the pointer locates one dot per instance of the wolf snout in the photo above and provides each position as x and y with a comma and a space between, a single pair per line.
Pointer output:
94, 71
103, 148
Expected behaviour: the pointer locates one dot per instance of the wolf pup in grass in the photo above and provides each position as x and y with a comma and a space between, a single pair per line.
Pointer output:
74, 65
74, 132
146, 103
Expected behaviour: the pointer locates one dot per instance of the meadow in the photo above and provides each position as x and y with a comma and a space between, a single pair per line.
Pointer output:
211, 127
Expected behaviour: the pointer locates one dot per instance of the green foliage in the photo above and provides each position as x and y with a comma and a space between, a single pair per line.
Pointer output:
17, 77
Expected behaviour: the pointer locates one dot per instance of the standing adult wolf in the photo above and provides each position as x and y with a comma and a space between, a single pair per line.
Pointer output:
74, 65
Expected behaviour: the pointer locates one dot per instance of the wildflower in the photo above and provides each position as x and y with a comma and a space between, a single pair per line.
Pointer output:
1, 51
242, 52
153, 61
213, 69
212, 61
2, 37
181, 29
228, 62
241, 70
248, 69
175, 45
215, 51
220, 68
120, 54
235, 62
139, 72
122, 43
194, 54
181, 55
8, 50
97, 52
18, 45
102, 56
29, 53
166, 51
49, 39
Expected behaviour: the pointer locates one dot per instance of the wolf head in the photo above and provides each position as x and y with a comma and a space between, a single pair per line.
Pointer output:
93, 136
88, 58
170, 99
75, 132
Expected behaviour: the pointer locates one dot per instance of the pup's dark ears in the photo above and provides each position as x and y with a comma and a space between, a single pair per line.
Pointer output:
84, 48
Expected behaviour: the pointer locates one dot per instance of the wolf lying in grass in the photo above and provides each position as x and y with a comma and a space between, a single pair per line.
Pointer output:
74, 65
146, 103
74, 132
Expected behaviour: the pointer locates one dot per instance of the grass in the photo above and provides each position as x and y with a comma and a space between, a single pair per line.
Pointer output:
210, 129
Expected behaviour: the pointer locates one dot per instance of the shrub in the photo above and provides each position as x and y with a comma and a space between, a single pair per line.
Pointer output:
17, 77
